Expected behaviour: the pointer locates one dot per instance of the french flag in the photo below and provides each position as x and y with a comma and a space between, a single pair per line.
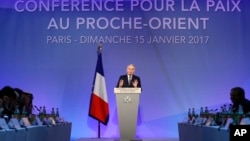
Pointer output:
99, 108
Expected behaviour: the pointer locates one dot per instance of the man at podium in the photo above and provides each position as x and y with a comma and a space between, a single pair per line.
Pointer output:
129, 80
128, 91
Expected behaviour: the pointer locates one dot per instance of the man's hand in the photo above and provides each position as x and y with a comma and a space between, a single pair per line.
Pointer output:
121, 83
135, 83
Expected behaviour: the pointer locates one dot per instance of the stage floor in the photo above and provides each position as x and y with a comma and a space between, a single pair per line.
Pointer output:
91, 139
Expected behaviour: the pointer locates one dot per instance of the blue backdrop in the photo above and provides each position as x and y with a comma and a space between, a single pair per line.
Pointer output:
53, 60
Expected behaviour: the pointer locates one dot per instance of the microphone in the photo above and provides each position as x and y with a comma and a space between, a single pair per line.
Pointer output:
34, 109
37, 109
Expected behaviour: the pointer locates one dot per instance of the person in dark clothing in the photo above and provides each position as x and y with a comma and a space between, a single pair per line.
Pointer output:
237, 96
129, 80
1, 107
9, 101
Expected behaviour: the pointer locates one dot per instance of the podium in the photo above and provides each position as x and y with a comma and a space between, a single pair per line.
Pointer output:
127, 101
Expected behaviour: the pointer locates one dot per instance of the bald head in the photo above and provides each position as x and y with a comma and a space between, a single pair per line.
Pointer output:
130, 69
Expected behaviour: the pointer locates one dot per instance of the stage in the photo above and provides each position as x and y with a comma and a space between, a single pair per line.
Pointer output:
146, 139
188, 54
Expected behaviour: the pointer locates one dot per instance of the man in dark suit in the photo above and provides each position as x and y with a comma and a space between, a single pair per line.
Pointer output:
129, 80
237, 96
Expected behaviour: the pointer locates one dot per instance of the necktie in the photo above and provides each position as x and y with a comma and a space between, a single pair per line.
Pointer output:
129, 79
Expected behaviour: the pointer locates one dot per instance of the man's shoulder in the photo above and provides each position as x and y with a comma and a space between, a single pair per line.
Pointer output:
136, 76
122, 76
247, 101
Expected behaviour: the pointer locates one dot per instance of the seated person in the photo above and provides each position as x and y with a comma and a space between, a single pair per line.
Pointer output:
1, 107
237, 96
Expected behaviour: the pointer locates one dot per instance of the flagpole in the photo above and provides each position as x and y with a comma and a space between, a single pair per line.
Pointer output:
99, 50
99, 130
99, 108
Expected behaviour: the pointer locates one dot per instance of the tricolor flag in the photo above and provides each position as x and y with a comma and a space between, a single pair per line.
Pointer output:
99, 108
